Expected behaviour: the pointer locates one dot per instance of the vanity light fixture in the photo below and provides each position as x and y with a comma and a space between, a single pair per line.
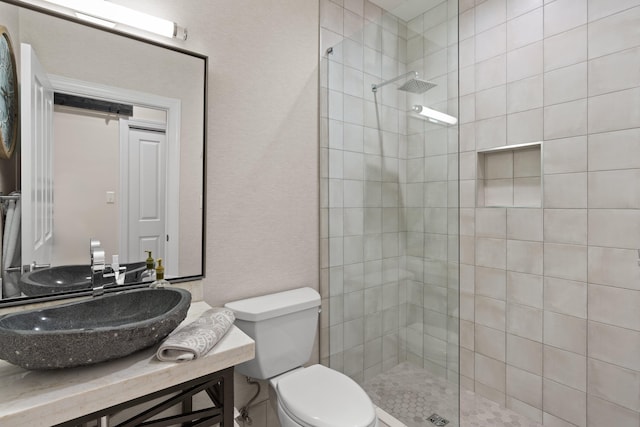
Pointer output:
105, 13
434, 116
97, 21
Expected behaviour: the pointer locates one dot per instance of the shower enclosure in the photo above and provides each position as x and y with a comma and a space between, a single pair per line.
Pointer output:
389, 208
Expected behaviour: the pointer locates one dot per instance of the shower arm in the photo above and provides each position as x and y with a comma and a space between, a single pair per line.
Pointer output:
374, 87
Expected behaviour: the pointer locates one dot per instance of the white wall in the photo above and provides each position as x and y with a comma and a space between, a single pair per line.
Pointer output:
80, 211
262, 181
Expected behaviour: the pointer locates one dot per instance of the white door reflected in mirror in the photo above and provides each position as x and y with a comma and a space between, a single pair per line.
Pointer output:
37, 164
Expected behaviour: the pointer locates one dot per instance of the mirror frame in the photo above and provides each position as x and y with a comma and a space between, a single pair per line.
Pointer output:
24, 300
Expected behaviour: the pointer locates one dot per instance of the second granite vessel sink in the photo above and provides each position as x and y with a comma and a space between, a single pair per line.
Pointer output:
65, 278
92, 330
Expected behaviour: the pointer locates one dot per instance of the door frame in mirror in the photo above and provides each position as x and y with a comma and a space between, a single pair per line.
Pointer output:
72, 294
172, 107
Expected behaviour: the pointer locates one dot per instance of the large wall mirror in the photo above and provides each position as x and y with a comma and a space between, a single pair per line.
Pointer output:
111, 147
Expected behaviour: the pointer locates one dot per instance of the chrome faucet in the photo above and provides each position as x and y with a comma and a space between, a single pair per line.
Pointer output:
97, 262
102, 274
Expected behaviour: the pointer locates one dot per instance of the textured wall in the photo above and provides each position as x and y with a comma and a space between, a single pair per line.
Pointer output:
262, 185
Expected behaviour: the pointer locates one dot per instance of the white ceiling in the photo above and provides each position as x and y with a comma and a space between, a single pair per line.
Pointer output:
406, 9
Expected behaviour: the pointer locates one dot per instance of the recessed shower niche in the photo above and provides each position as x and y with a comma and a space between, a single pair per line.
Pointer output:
510, 176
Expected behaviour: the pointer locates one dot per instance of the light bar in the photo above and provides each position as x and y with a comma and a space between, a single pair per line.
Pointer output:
434, 116
97, 21
108, 11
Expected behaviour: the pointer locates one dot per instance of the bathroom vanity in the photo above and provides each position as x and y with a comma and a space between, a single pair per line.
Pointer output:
47, 398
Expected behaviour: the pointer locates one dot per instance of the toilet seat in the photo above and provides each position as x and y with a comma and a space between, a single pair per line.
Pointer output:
321, 397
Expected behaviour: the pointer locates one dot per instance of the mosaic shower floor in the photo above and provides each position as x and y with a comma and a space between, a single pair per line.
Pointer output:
412, 395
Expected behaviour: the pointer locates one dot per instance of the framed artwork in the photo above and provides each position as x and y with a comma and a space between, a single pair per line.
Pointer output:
8, 96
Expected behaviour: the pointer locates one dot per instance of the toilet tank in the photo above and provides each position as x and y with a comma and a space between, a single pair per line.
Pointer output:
283, 326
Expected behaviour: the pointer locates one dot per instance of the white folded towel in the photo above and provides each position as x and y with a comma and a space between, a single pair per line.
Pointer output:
196, 339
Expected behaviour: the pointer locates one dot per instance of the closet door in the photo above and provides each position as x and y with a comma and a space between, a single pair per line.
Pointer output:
144, 189
37, 160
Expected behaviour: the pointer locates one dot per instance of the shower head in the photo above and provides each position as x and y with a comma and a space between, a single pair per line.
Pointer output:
414, 85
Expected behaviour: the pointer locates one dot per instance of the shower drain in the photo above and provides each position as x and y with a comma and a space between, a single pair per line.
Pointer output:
437, 420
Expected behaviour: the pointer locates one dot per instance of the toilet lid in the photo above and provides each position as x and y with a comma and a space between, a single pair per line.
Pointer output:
321, 397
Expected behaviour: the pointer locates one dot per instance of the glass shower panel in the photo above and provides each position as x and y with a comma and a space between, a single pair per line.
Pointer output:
389, 208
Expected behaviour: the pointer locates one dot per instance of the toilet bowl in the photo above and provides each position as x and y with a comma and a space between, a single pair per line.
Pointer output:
283, 326
321, 397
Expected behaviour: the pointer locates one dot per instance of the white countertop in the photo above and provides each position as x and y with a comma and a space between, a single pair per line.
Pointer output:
45, 398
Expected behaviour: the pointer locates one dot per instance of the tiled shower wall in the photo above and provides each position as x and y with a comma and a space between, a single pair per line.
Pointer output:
360, 216
389, 219
550, 325
431, 202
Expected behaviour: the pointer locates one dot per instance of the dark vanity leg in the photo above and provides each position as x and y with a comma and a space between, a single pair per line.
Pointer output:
227, 398
221, 394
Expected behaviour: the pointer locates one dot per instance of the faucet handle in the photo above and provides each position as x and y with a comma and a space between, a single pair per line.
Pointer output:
108, 272
93, 243
97, 259
35, 266
97, 254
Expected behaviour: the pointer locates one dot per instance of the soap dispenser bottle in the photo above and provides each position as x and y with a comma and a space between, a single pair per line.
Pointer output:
160, 281
149, 274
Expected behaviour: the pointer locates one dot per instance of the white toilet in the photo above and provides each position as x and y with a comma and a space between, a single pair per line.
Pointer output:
284, 326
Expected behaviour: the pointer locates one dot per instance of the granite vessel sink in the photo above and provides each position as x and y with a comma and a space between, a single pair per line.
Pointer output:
92, 330
65, 278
